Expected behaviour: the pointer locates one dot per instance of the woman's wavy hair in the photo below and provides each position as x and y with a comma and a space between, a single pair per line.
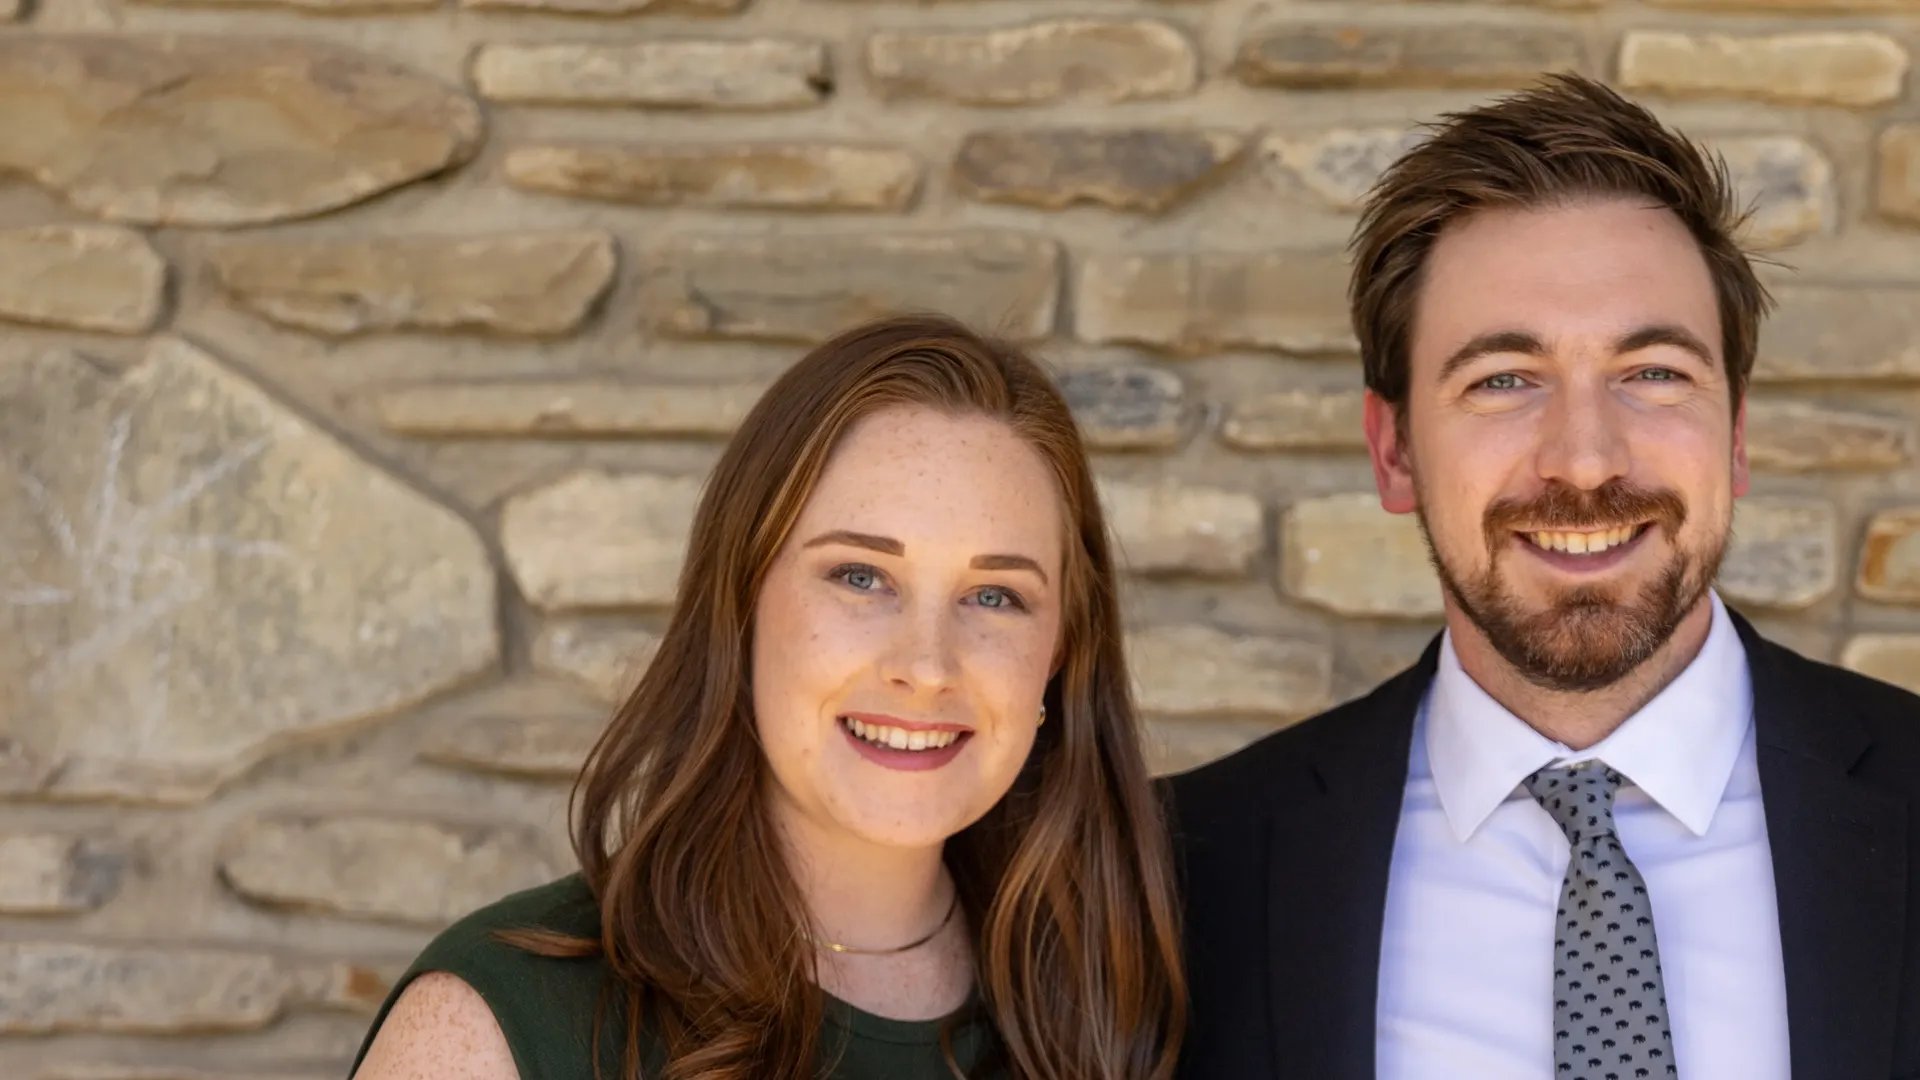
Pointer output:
1066, 883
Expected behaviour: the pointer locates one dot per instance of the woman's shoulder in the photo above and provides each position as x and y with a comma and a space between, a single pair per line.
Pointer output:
544, 1005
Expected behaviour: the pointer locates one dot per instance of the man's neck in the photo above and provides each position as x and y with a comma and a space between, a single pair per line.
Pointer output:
1577, 719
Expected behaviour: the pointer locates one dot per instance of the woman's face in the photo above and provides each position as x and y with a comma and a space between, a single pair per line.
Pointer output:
905, 633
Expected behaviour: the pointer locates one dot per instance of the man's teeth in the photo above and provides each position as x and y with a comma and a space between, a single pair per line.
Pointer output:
1583, 543
900, 738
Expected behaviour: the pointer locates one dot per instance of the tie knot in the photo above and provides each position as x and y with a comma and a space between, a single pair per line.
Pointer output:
1579, 797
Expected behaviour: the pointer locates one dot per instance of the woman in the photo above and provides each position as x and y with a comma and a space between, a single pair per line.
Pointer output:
877, 808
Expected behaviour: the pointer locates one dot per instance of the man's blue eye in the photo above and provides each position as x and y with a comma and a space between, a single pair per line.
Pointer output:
1660, 375
1502, 381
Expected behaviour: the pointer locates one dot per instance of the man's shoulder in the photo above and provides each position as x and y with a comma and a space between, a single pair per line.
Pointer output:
1890, 714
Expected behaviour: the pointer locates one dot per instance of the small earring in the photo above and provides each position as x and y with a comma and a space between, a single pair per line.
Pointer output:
1043, 712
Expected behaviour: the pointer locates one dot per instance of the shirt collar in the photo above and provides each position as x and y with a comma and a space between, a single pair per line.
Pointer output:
1680, 749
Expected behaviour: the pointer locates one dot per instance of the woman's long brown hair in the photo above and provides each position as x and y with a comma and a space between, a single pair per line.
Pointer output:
1066, 882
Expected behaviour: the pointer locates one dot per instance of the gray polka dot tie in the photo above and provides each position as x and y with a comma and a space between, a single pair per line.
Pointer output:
1610, 1003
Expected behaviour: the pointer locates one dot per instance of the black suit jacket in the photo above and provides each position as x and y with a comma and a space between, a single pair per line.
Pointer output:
1284, 850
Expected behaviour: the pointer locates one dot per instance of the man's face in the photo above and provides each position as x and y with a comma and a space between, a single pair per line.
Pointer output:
1570, 442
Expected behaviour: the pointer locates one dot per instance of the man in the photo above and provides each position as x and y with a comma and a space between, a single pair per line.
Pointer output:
1602, 829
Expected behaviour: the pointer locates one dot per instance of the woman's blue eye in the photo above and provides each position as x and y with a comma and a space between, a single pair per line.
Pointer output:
864, 578
993, 596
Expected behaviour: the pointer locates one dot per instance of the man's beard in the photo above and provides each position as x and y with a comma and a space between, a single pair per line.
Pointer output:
1587, 637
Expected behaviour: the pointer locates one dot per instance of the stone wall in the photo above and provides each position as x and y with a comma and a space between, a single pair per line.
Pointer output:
362, 359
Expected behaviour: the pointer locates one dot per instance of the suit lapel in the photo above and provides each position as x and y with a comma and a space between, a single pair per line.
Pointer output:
1840, 870
1327, 887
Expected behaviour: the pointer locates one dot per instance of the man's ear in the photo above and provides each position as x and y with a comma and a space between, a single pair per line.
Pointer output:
1392, 458
1741, 477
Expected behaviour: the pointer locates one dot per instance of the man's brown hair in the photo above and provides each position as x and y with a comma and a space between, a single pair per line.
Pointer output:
1568, 139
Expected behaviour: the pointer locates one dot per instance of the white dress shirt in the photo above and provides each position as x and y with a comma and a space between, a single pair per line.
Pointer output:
1466, 960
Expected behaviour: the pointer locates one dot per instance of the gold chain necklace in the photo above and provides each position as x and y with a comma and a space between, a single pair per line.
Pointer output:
951, 908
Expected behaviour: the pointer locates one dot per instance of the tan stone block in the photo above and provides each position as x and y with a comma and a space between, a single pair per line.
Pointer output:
1785, 552
1812, 7
526, 747
1174, 746
1141, 169
1890, 557
189, 567
611, 7
1793, 436
1346, 56
381, 867
1127, 408
1346, 554
1097, 61
1788, 185
796, 176
1198, 670
1891, 658
1899, 154
587, 408
310, 7
1841, 332
1340, 165
226, 131
1819, 67
48, 987
523, 284
606, 658
11, 9
83, 277
1199, 303
807, 288
667, 73
1163, 527
43, 873
599, 541
1296, 420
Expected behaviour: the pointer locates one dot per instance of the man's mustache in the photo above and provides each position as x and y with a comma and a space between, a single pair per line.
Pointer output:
1564, 508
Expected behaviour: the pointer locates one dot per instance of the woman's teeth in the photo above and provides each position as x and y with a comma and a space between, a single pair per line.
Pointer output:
900, 738
1584, 543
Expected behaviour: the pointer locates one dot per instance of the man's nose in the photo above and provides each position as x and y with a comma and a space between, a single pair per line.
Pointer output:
1583, 442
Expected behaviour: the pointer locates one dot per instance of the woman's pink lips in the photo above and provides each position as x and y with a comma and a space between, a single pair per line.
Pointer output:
905, 760
883, 720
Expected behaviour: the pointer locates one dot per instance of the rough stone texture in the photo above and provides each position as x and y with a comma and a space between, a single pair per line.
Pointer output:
1785, 552
188, 568
1836, 332
1795, 6
381, 867
220, 130
1787, 184
44, 873
1823, 67
1169, 527
1892, 658
85, 277
50, 986
1785, 435
595, 540
311, 7
1143, 169
525, 284
588, 408
1899, 186
807, 288
606, 658
796, 176
1127, 408
1344, 553
1344, 56
1198, 670
1338, 165
1101, 61
1199, 303
679, 73
611, 7
1296, 420
1890, 557
529, 747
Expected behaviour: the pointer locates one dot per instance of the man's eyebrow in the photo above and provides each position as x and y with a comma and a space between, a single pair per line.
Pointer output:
1007, 562
1678, 337
885, 545
1498, 341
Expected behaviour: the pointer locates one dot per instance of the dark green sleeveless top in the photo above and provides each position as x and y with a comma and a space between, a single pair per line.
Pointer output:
545, 1006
